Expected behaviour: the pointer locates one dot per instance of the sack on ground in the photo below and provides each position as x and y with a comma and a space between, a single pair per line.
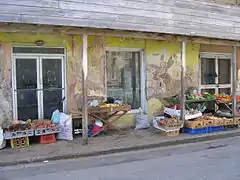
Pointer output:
142, 122
2, 140
65, 127
56, 117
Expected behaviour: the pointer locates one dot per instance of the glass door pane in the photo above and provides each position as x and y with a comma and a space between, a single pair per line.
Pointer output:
26, 88
52, 100
224, 71
52, 77
208, 71
123, 76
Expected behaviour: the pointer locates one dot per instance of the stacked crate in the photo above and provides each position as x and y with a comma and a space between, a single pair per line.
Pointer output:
204, 125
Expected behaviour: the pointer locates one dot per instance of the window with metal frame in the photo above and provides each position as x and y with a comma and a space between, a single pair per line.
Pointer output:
123, 76
38, 83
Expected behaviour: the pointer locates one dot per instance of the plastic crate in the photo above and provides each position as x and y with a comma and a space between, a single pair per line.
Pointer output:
18, 134
46, 131
47, 139
215, 129
196, 131
20, 142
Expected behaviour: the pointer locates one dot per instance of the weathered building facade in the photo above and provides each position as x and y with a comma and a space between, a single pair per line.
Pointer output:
134, 51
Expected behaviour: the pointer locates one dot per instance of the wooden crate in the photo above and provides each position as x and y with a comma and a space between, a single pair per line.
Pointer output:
170, 133
237, 120
228, 122
208, 123
194, 124
218, 122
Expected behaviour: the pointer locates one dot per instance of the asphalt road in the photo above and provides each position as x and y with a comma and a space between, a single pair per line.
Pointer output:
216, 160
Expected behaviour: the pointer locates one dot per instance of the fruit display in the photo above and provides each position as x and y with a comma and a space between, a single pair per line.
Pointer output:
208, 121
43, 124
170, 123
19, 127
198, 96
208, 96
223, 97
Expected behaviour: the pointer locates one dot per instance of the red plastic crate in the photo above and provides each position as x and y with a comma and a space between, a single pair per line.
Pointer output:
47, 139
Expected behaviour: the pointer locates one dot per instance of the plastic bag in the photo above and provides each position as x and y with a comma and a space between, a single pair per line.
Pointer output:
56, 117
2, 140
65, 127
142, 122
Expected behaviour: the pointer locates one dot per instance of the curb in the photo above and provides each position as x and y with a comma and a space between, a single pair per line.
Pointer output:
124, 149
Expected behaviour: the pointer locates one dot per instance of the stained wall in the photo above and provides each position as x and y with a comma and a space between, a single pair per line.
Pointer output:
162, 68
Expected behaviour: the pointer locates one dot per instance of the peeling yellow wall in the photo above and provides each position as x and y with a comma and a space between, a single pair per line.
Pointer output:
163, 65
163, 68
73, 48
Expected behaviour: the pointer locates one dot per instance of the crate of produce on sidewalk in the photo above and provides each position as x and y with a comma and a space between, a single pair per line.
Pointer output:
45, 127
18, 129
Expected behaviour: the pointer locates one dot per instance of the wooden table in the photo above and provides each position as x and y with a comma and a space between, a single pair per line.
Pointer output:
226, 104
201, 102
108, 115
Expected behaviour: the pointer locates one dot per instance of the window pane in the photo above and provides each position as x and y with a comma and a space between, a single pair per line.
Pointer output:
208, 72
52, 73
26, 73
27, 104
123, 76
52, 100
224, 90
224, 71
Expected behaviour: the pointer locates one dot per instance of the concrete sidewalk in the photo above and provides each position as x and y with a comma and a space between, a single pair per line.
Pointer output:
114, 143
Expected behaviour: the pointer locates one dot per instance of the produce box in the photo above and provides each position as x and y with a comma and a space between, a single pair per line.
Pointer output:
198, 123
18, 134
237, 120
218, 122
208, 123
46, 131
170, 124
228, 122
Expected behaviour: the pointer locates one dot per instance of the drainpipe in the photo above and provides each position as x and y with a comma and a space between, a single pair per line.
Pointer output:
183, 70
234, 80
84, 89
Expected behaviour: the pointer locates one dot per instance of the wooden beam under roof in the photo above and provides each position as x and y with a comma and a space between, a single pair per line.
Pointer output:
27, 28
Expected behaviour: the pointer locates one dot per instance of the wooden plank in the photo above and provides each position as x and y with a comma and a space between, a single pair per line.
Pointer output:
84, 89
176, 20
9, 17
169, 29
183, 17
32, 3
183, 70
28, 28
234, 79
150, 7
220, 25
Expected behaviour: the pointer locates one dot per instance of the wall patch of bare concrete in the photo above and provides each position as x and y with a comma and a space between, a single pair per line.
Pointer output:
5, 85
